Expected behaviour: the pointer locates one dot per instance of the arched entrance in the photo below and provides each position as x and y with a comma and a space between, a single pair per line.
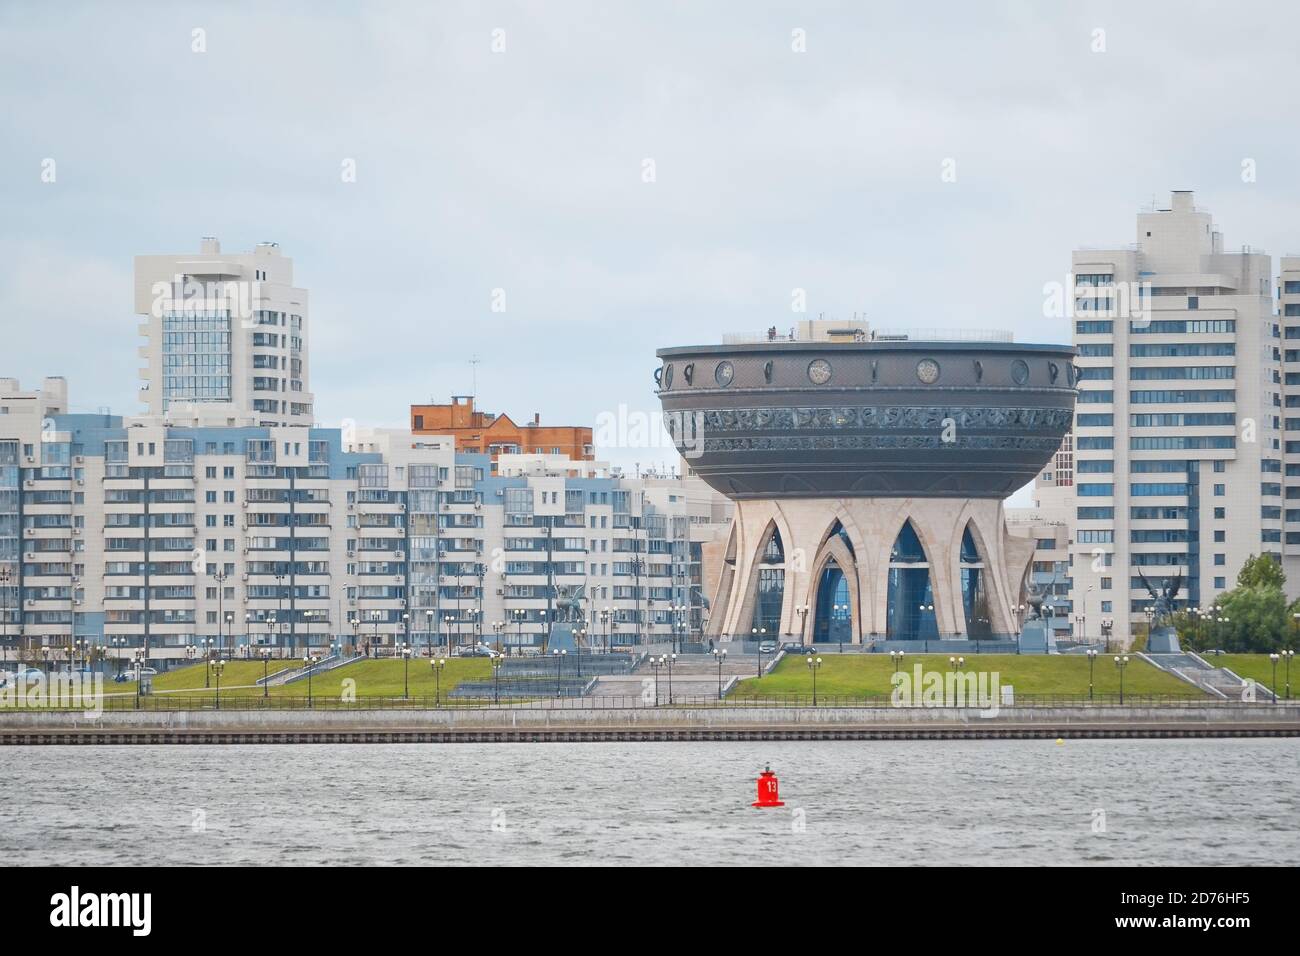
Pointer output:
910, 612
771, 588
974, 598
832, 621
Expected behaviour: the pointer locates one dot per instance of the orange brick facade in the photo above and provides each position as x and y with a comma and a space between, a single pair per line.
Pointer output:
486, 433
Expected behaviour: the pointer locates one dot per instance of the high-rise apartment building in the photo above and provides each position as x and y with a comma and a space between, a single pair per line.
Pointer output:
1177, 450
226, 333
145, 533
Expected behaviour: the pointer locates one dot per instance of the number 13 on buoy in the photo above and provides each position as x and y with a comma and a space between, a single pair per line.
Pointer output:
768, 789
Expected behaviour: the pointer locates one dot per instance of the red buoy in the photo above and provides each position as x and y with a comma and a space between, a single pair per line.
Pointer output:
768, 787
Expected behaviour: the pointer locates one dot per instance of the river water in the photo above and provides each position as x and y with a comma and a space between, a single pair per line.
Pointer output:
899, 802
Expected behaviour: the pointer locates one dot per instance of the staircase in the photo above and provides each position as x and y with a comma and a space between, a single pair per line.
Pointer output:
291, 675
1194, 669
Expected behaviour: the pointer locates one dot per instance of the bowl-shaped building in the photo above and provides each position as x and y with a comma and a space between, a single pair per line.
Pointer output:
868, 478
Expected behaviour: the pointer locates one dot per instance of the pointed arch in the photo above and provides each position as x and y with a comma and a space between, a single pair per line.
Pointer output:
834, 600
974, 582
910, 608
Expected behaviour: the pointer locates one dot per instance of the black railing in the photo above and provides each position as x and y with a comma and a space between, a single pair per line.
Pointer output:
162, 703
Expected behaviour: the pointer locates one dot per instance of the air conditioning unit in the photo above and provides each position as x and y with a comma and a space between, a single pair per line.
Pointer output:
245, 577
78, 602
31, 601
76, 578
30, 460
79, 460
398, 578
352, 554
402, 506
501, 591
501, 492
351, 506
401, 602
243, 504
397, 554
352, 601
81, 481
29, 483
76, 531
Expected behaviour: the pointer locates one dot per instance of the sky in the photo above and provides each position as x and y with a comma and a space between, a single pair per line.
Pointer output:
629, 175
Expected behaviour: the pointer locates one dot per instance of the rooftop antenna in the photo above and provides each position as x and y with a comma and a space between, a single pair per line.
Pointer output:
473, 365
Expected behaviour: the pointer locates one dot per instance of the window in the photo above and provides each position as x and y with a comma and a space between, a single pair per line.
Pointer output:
1220, 560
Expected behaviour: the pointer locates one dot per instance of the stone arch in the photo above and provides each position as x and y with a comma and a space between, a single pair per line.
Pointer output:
902, 621
837, 550
762, 529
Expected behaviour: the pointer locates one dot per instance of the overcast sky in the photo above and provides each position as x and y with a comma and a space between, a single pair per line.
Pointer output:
523, 170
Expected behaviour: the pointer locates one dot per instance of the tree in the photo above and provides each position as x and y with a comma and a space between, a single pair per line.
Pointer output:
1258, 619
1261, 571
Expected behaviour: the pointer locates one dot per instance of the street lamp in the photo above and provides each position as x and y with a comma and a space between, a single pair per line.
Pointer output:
428, 630
1286, 656
956, 663
813, 665
496, 678
1092, 659
1274, 658
604, 620
655, 664
897, 658
405, 650
217, 667
802, 611
438, 664
835, 613
923, 608
1121, 662
266, 660
309, 661
759, 633
719, 656
559, 662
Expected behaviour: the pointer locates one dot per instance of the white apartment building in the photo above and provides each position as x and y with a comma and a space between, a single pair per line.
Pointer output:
224, 330
1177, 458
177, 537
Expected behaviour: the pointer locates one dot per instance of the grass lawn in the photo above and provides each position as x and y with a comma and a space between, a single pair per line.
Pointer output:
1259, 667
191, 676
374, 678
865, 675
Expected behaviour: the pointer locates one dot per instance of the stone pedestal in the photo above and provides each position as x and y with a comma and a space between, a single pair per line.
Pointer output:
1037, 638
1163, 640
562, 639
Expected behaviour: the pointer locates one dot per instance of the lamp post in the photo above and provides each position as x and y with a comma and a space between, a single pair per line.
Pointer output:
140, 659
897, 658
220, 578
759, 633
604, 621
217, 667
406, 626
356, 628
206, 644
405, 651
1286, 656
835, 613
1121, 662
559, 664
814, 663
497, 628
669, 660
309, 661
923, 608
1092, 659
119, 644
438, 664
496, 678
802, 611
956, 664
656, 663
429, 626
266, 661
1274, 658
719, 656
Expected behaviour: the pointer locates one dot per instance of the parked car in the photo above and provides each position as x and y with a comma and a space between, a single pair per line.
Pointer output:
767, 647
477, 651
793, 647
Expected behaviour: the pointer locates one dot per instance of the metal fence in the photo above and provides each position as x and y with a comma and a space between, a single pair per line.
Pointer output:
163, 703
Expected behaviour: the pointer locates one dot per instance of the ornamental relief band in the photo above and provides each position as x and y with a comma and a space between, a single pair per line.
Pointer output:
910, 416
853, 442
